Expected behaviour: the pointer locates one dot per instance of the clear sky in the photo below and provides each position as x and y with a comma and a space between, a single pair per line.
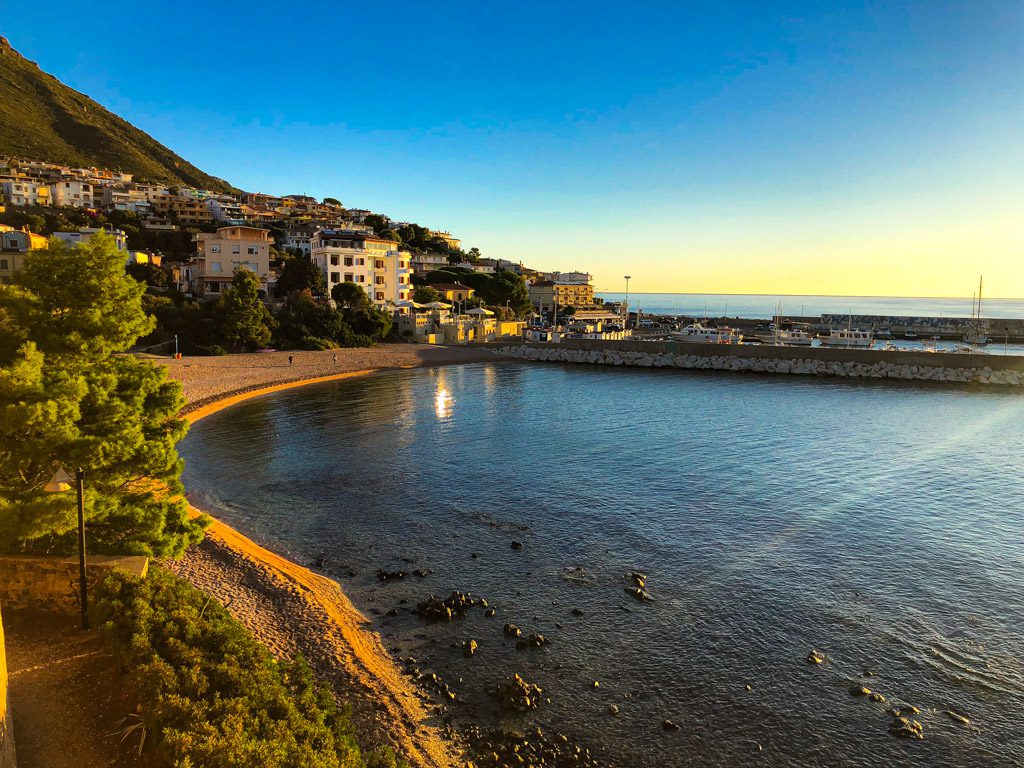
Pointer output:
743, 147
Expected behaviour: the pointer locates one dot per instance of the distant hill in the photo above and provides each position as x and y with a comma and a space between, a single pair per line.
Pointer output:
43, 119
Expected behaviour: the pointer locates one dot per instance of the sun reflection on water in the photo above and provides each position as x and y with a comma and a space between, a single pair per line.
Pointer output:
443, 402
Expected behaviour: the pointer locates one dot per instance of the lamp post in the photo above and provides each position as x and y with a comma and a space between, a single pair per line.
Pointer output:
60, 482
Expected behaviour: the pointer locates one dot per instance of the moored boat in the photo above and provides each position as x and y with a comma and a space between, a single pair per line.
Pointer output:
848, 337
702, 334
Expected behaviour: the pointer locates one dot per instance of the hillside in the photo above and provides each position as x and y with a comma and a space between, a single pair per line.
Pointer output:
41, 118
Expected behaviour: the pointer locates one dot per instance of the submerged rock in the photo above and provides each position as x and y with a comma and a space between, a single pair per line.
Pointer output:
668, 725
956, 716
511, 630
640, 594
859, 690
469, 647
815, 657
517, 545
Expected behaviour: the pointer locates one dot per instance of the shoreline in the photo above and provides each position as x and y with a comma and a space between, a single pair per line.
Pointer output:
289, 607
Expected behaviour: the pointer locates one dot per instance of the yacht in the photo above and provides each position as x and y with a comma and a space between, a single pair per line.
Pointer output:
847, 337
794, 337
701, 334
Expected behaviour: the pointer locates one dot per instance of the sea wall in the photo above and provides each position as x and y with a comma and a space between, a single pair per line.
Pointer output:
51, 583
7, 756
806, 361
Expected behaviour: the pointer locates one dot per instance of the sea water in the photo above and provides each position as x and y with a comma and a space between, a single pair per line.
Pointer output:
879, 523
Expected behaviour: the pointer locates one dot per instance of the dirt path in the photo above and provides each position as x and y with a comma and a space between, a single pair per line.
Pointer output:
68, 694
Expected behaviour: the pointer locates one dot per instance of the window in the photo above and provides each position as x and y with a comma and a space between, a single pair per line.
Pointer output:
378, 281
214, 249
348, 277
3, 264
348, 260
360, 262
379, 296
252, 250
335, 277
334, 261
236, 249
378, 263
213, 287
215, 266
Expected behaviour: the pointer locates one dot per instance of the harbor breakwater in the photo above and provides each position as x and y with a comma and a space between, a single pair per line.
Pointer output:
798, 361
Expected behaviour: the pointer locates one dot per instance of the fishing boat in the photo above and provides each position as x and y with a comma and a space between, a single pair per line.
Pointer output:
702, 334
848, 337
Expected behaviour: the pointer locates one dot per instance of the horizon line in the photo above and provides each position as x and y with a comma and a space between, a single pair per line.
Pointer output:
812, 295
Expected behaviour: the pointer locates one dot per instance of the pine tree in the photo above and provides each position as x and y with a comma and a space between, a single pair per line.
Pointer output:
67, 397
247, 321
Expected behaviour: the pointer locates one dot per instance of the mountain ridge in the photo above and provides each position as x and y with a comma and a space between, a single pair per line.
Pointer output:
43, 118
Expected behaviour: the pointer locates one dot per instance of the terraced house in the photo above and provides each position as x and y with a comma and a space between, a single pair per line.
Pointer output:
379, 266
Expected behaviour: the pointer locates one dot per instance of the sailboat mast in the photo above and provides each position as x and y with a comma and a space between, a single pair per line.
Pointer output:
980, 279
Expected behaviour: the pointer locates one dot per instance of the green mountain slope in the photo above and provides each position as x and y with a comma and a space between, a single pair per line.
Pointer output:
43, 119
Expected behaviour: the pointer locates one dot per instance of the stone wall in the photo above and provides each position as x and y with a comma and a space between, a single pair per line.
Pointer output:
51, 583
7, 756
815, 361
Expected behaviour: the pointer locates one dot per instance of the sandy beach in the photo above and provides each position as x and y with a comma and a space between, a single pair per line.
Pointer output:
286, 605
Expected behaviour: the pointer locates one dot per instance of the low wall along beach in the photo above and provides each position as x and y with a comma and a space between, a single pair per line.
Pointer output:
798, 361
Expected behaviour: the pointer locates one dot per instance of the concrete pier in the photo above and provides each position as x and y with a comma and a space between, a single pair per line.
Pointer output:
997, 370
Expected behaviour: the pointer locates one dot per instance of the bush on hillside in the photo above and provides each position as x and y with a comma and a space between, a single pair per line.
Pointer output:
212, 695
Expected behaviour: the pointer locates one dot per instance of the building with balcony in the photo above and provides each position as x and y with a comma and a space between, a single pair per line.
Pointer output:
73, 193
545, 294
226, 210
84, 235
375, 264
220, 253
25, 191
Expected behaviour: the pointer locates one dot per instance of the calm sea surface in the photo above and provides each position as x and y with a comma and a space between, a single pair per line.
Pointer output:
879, 523
762, 306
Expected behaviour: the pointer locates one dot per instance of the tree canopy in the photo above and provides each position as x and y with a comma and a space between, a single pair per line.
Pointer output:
68, 398
300, 274
247, 322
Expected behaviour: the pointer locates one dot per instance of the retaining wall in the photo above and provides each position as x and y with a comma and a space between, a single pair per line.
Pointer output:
51, 583
802, 361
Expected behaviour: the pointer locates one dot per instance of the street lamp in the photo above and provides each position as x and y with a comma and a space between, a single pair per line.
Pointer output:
60, 482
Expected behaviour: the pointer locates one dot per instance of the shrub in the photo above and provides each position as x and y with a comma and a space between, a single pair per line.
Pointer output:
212, 695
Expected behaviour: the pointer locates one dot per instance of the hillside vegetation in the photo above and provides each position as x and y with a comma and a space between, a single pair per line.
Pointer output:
41, 118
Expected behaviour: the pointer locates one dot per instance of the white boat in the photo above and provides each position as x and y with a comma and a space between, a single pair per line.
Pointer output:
795, 337
848, 337
701, 334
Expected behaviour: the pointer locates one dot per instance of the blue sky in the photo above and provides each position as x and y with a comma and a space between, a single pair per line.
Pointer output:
872, 148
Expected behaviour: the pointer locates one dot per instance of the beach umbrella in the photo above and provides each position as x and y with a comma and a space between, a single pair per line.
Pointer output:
479, 311
438, 305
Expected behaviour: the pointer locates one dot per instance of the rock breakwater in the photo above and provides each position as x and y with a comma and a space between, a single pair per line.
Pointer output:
862, 364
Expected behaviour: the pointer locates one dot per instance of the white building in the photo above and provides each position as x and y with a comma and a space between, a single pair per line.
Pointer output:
25, 191
226, 210
375, 264
84, 235
73, 193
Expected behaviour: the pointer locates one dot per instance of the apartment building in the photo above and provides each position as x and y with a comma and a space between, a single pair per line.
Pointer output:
375, 264
226, 210
84, 235
545, 294
220, 253
25, 191
189, 211
74, 193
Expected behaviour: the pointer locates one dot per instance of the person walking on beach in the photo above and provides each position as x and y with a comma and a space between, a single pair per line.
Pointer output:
335, 357
290, 359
